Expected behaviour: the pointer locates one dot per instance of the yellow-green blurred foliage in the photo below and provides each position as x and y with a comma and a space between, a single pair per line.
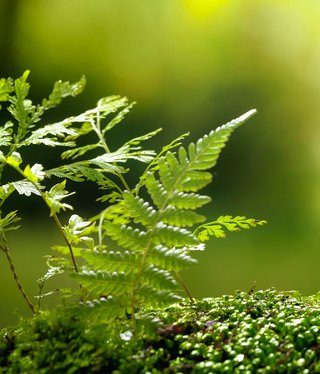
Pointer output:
193, 65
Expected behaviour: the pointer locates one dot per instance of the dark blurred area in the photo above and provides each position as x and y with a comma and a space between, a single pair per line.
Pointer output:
191, 65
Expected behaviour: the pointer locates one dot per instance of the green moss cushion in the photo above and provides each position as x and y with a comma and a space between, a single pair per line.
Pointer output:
262, 332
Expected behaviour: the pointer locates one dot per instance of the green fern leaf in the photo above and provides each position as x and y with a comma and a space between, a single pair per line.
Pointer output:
49, 135
8, 223
218, 227
170, 170
175, 172
141, 211
6, 134
154, 164
5, 191
21, 108
172, 259
127, 237
6, 88
122, 155
78, 230
103, 309
196, 180
62, 90
111, 260
112, 104
135, 142
104, 283
78, 152
204, 154
79, 172
180, 217
151, 296
172, 236
188, 200
120, 116
180, 200
34, 173
54, 197
25, 187
158, 278
88, 119
158, 194
108, 162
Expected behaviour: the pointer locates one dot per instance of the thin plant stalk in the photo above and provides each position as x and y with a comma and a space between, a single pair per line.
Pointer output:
55, 218
180, 279
4, 247
58, 224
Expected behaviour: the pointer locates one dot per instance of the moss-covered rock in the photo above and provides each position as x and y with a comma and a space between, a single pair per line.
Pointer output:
261, 332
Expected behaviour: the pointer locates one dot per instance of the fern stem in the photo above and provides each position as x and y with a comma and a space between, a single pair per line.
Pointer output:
5, 249
139, 273
58, 223
104, 144
180, 279
55, 217
124, 182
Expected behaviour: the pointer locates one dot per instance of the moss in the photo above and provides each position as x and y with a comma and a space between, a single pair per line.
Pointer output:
262, 332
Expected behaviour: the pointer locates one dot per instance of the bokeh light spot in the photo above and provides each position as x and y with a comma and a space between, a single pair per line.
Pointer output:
204, 9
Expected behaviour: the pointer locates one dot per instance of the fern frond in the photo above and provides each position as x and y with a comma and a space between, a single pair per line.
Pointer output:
22, 109
55, 196
79, 172
9, 222
6, 134
161, 196
172, 259
180, 217
79, 151
158, 278
170, 170
153, 166
119, 116
196, 180
172, 236
218, 227
156, 190
127, 236
6, 88
176, 171
112, 104
140, 210
204, 154
25, 187
60, 91
111, 260
103, 309
148, 295
152, 234
190, 200
49, 135
104, 283
108, 162
5, 191
135, 142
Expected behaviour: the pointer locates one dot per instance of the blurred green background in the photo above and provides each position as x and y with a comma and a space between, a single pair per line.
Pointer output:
191, 65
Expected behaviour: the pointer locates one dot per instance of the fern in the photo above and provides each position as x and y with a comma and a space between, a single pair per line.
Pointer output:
152, 228
128, 257
218, 227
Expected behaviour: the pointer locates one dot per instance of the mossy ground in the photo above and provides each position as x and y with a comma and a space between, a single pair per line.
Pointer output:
262, 332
